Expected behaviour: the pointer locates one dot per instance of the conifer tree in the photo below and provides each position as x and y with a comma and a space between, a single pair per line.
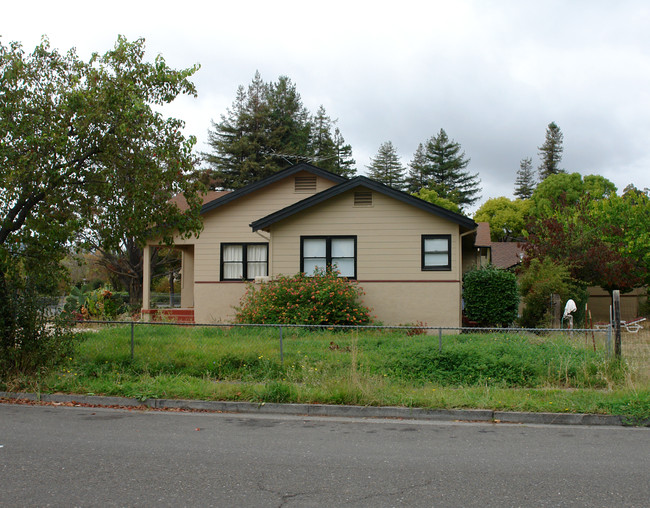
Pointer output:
266, 130
386, 167
551, 152
445, 164
417, 178
525, 181
344, 163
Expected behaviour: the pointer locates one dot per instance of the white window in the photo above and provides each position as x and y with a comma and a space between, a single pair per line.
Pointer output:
319, 252
436, 252
244, 261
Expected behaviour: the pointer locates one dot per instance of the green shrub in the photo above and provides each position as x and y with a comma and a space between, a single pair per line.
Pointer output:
538, 282
100, 303
491, 296
321, 299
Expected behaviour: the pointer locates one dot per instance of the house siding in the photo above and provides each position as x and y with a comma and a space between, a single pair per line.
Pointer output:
389, 270
214, 300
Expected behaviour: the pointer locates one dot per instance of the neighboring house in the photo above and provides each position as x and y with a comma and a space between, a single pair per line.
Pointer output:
407, 254
506, 255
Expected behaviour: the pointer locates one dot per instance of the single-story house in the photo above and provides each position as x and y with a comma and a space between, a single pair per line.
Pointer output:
408, 255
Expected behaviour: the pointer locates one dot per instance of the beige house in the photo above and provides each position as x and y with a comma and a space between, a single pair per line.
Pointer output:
406, 254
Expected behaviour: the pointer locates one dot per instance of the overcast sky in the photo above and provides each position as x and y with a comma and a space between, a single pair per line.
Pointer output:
493, 74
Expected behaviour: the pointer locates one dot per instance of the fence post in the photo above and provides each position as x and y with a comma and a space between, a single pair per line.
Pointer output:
132, 342
281, 349
440, 340
616, 303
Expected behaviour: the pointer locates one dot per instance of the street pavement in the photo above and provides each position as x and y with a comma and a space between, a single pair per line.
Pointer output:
90, 456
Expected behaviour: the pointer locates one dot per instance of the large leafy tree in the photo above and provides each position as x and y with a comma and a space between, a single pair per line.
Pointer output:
445, 172
602, 238
550, 152
83, 150
386, 167
507, 218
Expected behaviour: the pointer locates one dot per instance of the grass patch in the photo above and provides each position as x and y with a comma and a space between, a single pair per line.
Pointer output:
493, 371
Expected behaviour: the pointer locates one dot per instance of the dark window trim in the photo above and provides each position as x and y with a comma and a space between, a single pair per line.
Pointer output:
437, 268
328, 249
244, 246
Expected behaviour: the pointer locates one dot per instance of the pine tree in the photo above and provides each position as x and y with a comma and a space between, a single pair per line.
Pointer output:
445, 163
344, 163
386, 167
266, 130
551, 152
417, 178
525, 182
322, 145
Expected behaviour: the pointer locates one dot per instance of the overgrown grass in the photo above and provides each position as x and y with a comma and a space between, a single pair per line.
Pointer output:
505, 371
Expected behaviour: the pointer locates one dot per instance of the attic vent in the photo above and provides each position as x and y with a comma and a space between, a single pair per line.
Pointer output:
363, 198
305, 184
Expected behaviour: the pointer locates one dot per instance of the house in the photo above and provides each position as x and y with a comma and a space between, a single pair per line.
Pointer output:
506, 255
407, 254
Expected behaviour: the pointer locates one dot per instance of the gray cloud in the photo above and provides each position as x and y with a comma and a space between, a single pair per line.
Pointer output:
492, 74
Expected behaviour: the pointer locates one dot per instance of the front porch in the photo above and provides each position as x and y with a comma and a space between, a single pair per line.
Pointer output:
184, 271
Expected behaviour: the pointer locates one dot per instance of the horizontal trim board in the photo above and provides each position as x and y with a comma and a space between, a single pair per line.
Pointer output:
358, 281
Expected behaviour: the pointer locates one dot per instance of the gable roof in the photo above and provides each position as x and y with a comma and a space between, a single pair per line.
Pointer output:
483, 237
275, 177
362, 181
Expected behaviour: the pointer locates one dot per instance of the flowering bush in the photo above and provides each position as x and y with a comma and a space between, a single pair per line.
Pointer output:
321, 299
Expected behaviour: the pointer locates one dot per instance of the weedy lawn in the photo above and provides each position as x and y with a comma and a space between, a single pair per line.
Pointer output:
505, 371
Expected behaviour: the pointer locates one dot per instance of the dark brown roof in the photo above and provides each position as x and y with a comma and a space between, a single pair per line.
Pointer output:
506, 254
483, 235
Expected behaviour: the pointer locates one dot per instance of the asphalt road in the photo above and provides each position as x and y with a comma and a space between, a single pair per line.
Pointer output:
68, 456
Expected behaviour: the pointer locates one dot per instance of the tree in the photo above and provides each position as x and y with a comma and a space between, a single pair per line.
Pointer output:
525, 181
83, 150
417, 178
507, 218
566, 190
594, 250
445, 164
551, 152
432, 197
329, 151
268, 129
343, 156
386, 167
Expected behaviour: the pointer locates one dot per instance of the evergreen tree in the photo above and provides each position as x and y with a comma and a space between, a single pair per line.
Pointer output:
417, 179
344, 163
266, 130
386, 167
551, 152
322, 144
445, 163
525, 182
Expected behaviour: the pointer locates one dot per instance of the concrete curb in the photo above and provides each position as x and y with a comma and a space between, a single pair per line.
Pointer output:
467, 415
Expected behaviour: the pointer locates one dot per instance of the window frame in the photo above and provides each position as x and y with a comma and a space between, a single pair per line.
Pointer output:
423, 253
244, 246
328, 250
